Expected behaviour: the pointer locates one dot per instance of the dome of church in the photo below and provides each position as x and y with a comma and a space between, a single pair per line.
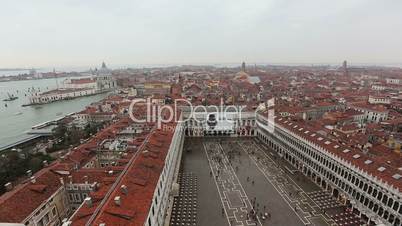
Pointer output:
104, 70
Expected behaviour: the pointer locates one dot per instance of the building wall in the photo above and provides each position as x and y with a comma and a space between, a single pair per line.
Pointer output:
364, 193
69, 83
160, 88
393, 81
379, 100
51, 212
318, 112
359, 118
106, 82
106, 158
378, 87
76, 194
163, 193
39, 98
235, 125
372, 116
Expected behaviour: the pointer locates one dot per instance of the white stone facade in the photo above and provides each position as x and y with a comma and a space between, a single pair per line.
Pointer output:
372, 197
163, 194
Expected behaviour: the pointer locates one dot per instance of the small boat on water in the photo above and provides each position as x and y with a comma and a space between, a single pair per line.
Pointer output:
11, 97
18, 113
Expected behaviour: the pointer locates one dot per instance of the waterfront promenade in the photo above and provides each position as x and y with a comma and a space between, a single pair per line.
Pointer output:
18, 120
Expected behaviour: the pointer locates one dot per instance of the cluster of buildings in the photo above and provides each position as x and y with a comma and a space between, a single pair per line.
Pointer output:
116, 177
341, 127
101, 81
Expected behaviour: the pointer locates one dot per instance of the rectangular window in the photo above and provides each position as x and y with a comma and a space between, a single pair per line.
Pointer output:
77, 197
71, 197
40, 223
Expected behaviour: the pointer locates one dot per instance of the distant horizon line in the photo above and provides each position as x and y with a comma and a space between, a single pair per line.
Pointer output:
231, 64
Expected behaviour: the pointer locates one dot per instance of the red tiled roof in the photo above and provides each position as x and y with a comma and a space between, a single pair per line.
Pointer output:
31, 195
371, 107
89, 175
48, 179
82, 81
88, 110
141, 180
372, 168
83, 214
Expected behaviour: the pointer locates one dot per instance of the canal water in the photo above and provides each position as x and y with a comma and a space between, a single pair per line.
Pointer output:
15, 120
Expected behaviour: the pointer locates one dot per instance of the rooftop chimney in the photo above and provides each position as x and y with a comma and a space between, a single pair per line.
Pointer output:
29, 173
62, 180
94, 186
8, 186
117, 200
86, 179
33, 180
124, 189
110, 172
70, 179
88, 202
45, 163
66, 222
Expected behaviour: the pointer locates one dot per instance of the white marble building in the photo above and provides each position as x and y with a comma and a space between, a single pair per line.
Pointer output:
349, 176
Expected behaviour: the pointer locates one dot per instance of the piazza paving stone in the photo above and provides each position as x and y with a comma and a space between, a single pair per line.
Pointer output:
239, 181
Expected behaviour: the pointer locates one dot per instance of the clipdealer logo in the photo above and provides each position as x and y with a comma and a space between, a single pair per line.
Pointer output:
162, 114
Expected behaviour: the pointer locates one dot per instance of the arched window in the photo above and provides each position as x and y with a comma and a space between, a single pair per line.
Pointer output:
396, 206
385, 199
390, 201
379, 196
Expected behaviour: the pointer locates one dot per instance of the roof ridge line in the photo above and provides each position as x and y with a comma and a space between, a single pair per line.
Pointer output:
119, 178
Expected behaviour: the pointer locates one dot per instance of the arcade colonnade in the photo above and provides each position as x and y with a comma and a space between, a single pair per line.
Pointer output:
370, 200
240, 127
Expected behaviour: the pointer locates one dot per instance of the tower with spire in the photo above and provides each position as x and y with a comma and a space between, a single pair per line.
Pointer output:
243, 67
345, 68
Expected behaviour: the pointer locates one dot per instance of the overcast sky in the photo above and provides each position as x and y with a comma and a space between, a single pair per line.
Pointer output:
47, 33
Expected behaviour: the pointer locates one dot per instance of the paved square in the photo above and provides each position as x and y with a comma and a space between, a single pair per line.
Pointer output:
234, 198
240, 182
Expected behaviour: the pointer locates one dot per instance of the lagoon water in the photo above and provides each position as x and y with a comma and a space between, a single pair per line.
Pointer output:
15, 120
